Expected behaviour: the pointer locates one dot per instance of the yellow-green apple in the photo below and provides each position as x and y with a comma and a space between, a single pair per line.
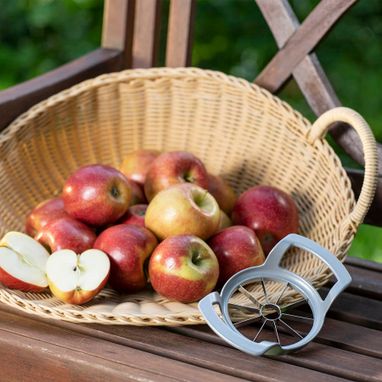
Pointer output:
44, 213
135, 215
184, 209
222, 192
97, 195
269, 211
224, 221
173, 168
76, 279
128, 248
183, 268
22, 263
66, 233
236, 248
136, 164
137, 194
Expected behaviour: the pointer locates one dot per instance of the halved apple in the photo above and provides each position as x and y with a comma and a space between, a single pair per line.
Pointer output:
76, 279
22, 263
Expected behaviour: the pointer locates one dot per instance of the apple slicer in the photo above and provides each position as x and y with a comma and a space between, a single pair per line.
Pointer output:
276, 331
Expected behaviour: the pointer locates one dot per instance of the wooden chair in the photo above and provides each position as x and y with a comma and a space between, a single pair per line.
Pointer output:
348, 347
130, 39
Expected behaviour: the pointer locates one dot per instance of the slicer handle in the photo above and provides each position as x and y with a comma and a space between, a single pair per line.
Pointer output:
338, 269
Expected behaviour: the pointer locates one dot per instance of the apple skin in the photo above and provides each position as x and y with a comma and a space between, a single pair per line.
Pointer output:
224, 221
137, 194
97, 195
183, 268
12, 283
172, 168
44, 213
222, 192
136, 164
27, 258
66, 233
135, 215
128, 248
77, 295
270, 212
183, 209
236, 248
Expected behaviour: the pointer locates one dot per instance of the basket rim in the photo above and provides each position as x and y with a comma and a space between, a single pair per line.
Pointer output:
135, 74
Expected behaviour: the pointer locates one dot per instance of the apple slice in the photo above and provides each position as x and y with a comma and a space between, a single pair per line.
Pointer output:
22, 263
76, 279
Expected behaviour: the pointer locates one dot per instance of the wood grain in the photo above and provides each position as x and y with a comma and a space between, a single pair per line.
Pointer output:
19, 98
146, 33
302, 42
180, 33
75, 351
183, 348
118, 27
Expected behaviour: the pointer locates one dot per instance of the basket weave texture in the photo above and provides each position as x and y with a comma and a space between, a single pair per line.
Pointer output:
239, 130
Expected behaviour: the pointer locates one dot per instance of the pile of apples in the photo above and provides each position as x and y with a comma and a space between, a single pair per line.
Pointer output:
161, 219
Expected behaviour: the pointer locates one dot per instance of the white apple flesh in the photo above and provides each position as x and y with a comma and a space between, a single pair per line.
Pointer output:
22, 263
76, 279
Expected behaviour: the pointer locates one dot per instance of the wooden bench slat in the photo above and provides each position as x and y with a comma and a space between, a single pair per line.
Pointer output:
363, 263
319, 357
118, 27
146, 33
302, 42
180, 31
365, 282
72, 350
23, 358
19, 98
174, 346
358, 310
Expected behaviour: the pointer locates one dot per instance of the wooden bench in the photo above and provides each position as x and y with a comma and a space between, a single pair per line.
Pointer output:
350, 344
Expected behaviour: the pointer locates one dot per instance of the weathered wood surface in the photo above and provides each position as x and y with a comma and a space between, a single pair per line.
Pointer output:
347, 348
118, 28
180, 31
146, 33
19, 98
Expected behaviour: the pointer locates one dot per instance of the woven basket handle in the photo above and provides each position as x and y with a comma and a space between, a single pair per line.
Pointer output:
351, 117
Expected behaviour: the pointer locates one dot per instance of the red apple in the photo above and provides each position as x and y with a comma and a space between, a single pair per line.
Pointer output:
222, 192
22, 263
76, 279
270, 212
97, 195
184, 209
137, 163
135, 215
66, 233
183, 268
173, 168
236, 248
137, 194
43, 213
128, 248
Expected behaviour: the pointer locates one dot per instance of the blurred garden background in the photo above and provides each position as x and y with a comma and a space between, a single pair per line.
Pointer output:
230, 35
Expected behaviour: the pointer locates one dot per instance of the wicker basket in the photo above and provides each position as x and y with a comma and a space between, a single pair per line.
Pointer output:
238, 129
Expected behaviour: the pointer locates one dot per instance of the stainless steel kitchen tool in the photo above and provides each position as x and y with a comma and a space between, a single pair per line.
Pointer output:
219, 311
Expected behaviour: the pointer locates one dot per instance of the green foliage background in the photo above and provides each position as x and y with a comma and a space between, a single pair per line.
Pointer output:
230, 35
